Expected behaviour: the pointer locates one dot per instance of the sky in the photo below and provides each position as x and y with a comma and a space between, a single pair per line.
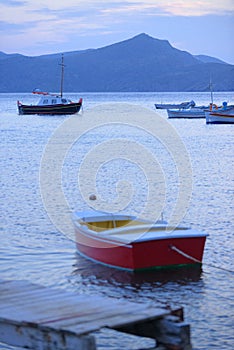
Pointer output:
37, 27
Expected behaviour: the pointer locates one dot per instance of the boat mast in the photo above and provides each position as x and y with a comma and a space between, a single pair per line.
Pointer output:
211, 91
62, 76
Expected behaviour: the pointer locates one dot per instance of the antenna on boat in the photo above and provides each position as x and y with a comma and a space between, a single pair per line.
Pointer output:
62, 76
211, 91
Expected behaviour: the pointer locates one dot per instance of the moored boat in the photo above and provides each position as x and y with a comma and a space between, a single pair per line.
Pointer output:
220, 115
51, 104
182, 105
126, 242
193, 112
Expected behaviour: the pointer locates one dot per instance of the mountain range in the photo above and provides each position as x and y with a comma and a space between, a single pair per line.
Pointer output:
141, 63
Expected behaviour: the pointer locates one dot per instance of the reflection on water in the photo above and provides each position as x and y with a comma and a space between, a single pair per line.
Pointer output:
104, 274
167, 288
33, 249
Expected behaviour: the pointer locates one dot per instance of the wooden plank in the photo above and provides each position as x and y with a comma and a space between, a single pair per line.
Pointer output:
40, 315
73, 318
58, 309
30, 337
86, 323
66, 306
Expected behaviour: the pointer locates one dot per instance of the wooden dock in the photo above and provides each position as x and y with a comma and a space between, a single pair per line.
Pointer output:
41, 318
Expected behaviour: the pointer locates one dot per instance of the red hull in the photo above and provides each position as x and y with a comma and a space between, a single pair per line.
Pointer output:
142, 255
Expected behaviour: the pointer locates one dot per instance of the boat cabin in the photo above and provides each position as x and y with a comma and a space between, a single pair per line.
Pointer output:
53, 100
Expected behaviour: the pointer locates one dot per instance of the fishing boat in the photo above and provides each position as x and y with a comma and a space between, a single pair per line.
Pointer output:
220, 115
51, 104
191, 113
126, 242
182, 105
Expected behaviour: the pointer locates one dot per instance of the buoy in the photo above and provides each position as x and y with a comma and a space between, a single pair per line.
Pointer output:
92, 197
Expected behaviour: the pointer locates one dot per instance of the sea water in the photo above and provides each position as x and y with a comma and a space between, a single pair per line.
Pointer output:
34, 245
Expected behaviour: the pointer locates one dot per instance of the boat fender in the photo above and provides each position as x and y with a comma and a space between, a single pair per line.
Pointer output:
224, 105
213, 105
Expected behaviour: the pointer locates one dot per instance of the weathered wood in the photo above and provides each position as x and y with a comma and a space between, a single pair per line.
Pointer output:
69, 311
31, 336
172, 332
168, 331
41, 318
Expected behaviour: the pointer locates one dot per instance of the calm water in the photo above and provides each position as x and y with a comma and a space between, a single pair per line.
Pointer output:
32, 247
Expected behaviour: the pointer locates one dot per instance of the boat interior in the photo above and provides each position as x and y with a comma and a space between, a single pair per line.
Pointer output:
129, 229
113, 227
100, 226
132, 230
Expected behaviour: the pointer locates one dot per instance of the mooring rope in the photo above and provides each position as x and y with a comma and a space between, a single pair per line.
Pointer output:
184, 254
196, 260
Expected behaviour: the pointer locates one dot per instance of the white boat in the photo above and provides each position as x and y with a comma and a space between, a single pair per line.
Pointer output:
182, 105
220, 115
191, 113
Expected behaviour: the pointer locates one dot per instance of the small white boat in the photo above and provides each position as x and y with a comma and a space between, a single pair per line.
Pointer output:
182, 105
220, 115
191, 113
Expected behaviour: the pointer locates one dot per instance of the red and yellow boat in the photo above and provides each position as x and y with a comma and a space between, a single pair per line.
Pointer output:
126, 242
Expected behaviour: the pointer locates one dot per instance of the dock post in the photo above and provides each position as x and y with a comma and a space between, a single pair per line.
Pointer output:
173, 334
169, 332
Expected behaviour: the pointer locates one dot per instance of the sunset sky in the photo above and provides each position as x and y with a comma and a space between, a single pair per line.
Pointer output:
48, 26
